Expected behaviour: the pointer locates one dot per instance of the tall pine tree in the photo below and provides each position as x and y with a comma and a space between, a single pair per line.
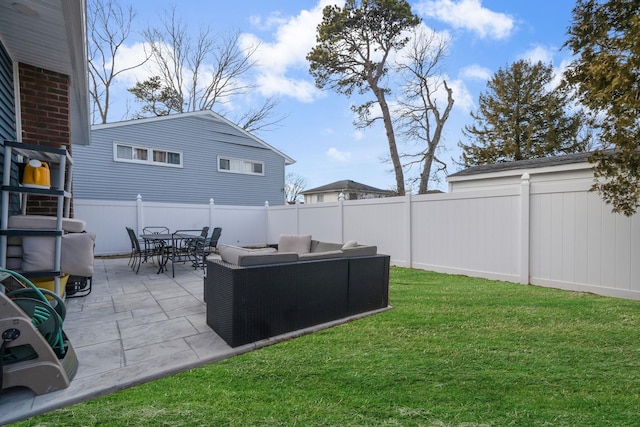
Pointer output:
521, 116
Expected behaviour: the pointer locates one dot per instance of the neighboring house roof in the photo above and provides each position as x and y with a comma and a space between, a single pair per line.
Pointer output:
51, 35
346, 186
524, 164
205, 114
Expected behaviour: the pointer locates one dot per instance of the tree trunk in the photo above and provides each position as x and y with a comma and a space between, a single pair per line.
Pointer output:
393, 148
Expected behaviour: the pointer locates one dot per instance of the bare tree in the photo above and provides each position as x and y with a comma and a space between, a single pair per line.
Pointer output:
421, 118
293, 186
255, 120
109, 28
203, 71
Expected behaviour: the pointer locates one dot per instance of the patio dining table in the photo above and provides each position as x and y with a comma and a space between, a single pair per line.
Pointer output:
176, 247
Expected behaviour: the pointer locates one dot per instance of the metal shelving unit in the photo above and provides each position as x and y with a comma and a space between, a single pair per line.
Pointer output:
61, 163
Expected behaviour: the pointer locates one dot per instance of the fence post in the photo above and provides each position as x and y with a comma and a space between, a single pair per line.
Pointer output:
211, 214
341, 206
409, 231
525, 190
139, 215
266, 222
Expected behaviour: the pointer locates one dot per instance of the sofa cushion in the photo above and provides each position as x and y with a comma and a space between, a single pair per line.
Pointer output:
253, 259
70, 225
300, 244
321, 255
361, 250
317, 246
231, 254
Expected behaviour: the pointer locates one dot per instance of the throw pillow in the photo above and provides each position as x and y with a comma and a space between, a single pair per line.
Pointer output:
300, 244
350, 244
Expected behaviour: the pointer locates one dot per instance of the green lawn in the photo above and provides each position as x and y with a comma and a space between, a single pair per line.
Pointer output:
454, 351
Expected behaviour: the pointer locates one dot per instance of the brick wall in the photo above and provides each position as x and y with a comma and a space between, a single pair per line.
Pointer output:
44, 107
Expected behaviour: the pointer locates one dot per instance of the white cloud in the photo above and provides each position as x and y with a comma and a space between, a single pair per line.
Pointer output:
461, 95
273, 20
358, 135
130, 56
282, 64
546, 55
539, 53
475, 72
277, 84
337, 155
469, 15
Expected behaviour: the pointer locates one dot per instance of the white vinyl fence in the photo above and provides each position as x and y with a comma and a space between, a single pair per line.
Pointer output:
557, 235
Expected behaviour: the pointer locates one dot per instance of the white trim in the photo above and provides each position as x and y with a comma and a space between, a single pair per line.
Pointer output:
150, 151
518, 172
242, 172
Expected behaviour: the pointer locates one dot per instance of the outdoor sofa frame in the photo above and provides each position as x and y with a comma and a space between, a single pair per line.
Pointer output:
248, 304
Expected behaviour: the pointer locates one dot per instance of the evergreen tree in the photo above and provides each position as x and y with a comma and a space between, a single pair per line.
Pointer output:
353, 46
521, 117
606, 76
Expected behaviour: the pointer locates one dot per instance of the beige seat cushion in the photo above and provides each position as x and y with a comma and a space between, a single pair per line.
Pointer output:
37, 253
231, 254
70, 225
300, 244
14, 263
76, 256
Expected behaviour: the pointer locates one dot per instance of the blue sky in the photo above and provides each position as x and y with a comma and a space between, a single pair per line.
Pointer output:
318, 133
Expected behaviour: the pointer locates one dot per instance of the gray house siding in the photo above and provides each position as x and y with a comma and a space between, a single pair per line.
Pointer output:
200, 139
7, 116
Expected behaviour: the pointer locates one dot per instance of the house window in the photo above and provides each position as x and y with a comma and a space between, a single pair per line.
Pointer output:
320, 198
135, 154
249, 167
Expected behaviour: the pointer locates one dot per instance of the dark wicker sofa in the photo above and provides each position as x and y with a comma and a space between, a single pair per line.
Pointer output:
250, 303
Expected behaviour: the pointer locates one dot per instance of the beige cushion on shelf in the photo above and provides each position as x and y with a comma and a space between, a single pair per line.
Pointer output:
231, 254
77, 254
14, 240
14, 251
70, 225
300, 244
14, 263
38, 253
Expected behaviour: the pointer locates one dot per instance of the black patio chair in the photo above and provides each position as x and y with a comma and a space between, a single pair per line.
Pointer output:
155, 247
205, 248
138, 254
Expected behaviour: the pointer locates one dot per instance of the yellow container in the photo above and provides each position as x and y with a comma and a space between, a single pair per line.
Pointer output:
36, 174
49, 283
